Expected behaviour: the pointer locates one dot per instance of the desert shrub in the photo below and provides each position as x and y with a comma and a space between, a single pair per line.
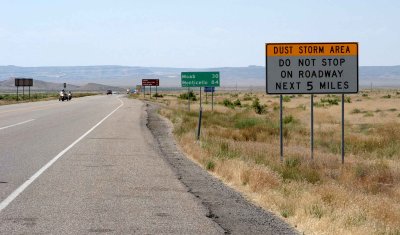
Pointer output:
286, 98
330, 101
258, 108
158, 95
355, 111
302, 107
247, 97
292, 162
369, 114
288, 119
228, 103
188, 95
210, 165
388, 96
237, 103
316, 211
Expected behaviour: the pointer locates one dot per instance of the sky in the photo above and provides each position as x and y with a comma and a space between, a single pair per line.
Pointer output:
188, 33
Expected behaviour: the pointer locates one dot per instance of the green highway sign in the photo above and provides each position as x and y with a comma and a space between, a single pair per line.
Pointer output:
200, 79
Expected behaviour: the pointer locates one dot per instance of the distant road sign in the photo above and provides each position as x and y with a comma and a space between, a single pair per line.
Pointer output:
311, 68
23, 82
209, 89
150, 82
200, 79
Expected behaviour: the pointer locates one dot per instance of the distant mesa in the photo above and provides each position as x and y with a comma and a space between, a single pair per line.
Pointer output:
114, 76
38, 85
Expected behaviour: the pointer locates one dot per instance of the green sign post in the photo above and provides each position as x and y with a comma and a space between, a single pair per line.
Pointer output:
199, 79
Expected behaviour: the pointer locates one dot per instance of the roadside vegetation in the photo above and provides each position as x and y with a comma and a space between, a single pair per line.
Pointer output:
240, 145
12, 98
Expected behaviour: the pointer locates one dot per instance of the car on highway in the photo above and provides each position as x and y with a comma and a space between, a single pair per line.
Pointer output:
109, 92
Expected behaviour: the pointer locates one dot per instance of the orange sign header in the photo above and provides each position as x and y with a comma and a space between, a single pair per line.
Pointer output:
312, 49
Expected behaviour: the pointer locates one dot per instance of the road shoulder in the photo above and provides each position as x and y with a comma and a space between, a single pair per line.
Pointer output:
225, 206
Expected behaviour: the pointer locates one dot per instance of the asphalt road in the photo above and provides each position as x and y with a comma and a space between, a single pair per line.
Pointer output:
89, 166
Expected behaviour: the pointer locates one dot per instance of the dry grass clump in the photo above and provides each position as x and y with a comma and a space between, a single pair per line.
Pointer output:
241, 146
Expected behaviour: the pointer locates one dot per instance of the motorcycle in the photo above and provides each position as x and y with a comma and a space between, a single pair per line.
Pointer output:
69, 96
63, 96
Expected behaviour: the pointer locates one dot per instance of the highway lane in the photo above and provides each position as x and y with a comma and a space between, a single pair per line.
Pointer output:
25, 148
113, 180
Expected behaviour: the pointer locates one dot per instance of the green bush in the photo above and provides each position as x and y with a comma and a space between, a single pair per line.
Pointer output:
228, 103
237, 103
288, 119
258, 108
286, 98
158, 95
247, 97
355, 111
210, 165
187, 95
330, 101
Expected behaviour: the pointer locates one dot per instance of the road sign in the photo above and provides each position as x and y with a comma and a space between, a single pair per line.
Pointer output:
200, 79
311, 68
150, 82
209, 89
23, 82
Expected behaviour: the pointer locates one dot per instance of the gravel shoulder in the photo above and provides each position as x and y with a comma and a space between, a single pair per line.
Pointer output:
227, 207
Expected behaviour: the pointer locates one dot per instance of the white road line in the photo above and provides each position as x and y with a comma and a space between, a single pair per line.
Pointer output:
21, 188
5, 127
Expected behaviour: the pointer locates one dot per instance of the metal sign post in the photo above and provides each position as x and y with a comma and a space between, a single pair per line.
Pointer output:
212, 101
23, 82
144, 91
150, 83
281, 126
342, 129
207, 90
156, 92
200, 115
312, 127
189, 99
200, 96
